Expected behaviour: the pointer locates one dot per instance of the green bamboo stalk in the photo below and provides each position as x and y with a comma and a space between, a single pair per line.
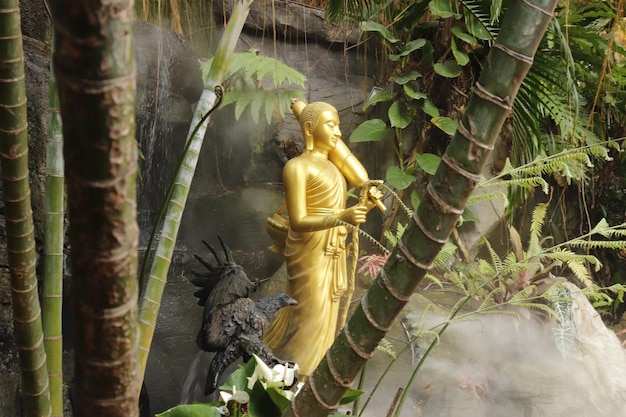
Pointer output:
18, 214
151, 301
95, 69
52, 297
506, 66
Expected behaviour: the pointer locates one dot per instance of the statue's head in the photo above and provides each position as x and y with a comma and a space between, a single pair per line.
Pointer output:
309, 114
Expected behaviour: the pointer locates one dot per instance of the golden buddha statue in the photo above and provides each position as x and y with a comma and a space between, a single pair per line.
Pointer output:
315, 249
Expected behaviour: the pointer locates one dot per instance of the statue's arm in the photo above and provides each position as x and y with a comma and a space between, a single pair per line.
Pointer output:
354, 171
348, 164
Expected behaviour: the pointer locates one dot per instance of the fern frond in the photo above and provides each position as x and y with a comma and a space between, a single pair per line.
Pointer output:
391, 191
467, 319
489, 301
616, 245
543, 165
513, 268
445, 254
565, 255
259, 67
459, 280
424, 332
501, 312
261, 102
485, 268
528, 183
522, 295
385, 346
495, 259
544, 308
610, 232
259, 83
434, 279
495, 195
536, 225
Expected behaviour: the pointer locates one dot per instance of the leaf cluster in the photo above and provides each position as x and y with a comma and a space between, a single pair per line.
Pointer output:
262, 84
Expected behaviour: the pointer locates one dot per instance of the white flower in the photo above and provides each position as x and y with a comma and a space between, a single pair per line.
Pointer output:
263, 373
240, 397
223, 410
286, 373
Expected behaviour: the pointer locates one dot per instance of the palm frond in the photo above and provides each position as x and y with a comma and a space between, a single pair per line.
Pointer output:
480, 22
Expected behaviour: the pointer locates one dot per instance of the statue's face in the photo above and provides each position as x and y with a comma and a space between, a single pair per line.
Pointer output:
326, 132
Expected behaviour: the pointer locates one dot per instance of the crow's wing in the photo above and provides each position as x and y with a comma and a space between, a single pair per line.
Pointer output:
222, 283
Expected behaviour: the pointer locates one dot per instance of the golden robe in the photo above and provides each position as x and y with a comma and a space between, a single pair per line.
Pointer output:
317, 279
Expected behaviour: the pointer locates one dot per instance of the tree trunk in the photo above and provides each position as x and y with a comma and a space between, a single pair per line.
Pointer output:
506, 66
95, 70
18, 214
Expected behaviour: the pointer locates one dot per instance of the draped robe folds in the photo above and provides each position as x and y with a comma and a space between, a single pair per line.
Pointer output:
317, 279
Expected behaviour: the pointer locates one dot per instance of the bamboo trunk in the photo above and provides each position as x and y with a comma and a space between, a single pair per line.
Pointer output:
18, 215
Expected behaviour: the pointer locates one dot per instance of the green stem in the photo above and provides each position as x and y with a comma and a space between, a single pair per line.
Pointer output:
151, 300
53, 252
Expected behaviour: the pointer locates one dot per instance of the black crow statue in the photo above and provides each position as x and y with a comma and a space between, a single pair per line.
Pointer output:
232, 324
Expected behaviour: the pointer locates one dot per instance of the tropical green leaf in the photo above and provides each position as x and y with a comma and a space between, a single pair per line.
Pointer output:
350, 396
460, 34
460, 56
408, 48
445, 123
379, 97
399, 115
191, 410
429, 108
412, 93
415, 199
373, 130
402, 79
239, 378
278, 398
398, 178
261, 403
428, 162
442, 8
369, 26
448, 69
